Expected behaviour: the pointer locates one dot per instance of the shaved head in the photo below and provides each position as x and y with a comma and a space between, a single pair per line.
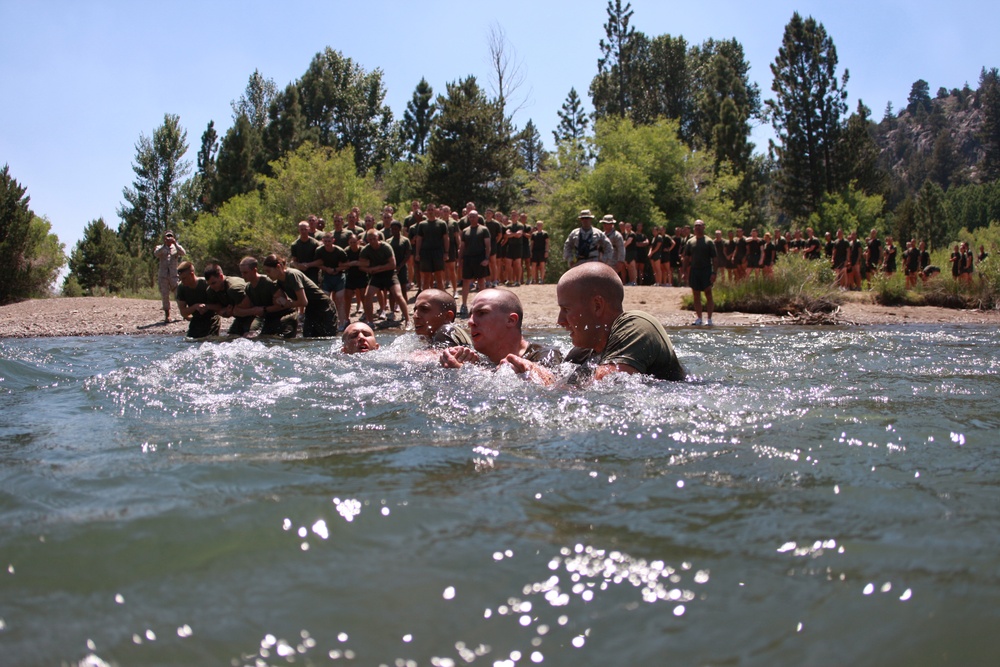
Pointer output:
439, 298
594, 279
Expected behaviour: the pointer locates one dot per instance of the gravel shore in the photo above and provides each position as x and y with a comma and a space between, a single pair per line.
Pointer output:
104, 316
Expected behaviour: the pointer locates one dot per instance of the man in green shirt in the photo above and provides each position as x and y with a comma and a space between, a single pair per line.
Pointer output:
304, 252
299, 292
262, 301
495, 329
475, 248
192, 298
434, 319
379, 262
224, 294
700, 253
590, 298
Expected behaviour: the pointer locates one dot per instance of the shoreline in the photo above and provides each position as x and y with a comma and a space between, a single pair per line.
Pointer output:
114, 316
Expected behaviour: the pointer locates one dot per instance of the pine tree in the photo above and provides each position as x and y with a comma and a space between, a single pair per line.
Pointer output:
153, 203
255, 101
989, 98
345, 105
470, 152
240, 160
919, 97
726, 102
931, 218
99, 259
612, 89
805, 113
418, 119
530, 147
572, 119
286, 128
15, 222
207, 175
860, 154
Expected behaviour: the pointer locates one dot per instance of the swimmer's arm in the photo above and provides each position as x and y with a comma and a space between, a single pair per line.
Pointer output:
535, 373
605, 370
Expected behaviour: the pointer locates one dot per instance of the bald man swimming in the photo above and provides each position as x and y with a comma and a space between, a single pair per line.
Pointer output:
590, 300
495, 328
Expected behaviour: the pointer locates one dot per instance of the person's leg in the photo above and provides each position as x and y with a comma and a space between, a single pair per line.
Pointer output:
397, 295
368, 299
696, 295
709, 303
164, 284
340, 300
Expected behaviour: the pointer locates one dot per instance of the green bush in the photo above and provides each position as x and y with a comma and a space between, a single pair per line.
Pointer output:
798, 285
890, 290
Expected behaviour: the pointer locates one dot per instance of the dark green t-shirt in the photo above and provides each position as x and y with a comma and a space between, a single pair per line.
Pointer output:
432, 235
305, 251
474, 241
230, 295
639, 340
701, 251
295, 280
192, 296
263, 295
332, 258
377, 256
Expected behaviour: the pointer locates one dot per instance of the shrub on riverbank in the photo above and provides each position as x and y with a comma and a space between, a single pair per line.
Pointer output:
797, 286
943, 291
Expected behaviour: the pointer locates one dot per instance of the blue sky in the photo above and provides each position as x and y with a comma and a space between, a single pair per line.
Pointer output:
81, 80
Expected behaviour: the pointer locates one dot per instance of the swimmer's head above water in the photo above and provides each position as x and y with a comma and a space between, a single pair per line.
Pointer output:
358, 337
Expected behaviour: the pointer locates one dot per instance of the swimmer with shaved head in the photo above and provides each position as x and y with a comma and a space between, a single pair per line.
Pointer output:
495, 328
590, 298
434, 319
358, 337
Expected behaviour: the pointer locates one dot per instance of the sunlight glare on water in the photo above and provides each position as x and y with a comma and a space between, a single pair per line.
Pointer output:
264, 503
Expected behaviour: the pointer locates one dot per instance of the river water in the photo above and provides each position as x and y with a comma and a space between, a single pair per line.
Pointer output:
811, 496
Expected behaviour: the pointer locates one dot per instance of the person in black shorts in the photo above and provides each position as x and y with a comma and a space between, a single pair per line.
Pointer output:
700, 252
357, 280
475, 247
889, 257
304, 252
333, 263
838, 260
539, 253
631, 251
379, 261
430, 246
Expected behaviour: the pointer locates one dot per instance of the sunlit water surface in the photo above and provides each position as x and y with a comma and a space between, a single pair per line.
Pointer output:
810, 497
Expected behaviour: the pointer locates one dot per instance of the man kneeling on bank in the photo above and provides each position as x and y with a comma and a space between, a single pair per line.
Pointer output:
590, 298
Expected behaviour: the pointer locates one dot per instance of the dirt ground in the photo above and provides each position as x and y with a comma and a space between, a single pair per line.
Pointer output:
95, 316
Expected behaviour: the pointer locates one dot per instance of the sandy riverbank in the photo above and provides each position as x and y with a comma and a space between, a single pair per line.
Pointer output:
98, 316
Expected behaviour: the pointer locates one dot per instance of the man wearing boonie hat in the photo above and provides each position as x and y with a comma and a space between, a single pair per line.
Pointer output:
586, 244
617, 243
168, 253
